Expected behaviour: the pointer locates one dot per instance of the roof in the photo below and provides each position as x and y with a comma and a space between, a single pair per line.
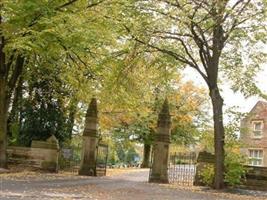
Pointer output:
262, 104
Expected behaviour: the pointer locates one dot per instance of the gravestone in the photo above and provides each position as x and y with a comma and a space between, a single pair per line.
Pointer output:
159, 170
90, 140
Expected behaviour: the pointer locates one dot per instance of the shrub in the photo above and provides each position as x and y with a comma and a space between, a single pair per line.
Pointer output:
235, 170
207, 174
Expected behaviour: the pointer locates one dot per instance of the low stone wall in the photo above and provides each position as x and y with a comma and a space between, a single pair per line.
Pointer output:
42, 154
255, 178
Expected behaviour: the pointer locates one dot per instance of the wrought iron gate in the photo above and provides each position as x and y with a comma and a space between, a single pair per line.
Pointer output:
101, 159
182, 168
69, 159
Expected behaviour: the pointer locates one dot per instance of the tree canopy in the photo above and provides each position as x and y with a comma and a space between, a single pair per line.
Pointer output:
219, 39
56, 55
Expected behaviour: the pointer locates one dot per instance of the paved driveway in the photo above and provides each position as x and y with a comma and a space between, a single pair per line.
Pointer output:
127, 186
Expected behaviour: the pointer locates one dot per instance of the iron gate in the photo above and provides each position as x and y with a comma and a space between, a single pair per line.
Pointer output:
70, 160
182, 168
101, 159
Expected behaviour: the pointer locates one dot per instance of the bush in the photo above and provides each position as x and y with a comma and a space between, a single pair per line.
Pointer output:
207, 174
234, 170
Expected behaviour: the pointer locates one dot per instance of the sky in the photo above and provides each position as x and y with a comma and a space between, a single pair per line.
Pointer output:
230, 98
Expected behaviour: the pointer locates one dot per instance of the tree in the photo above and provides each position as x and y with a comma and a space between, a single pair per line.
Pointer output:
138, 130
234, 161
47, 110
43, 104
187, 105
40, 33
211, 37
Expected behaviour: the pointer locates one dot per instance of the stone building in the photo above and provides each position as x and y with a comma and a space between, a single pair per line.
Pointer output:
254, 135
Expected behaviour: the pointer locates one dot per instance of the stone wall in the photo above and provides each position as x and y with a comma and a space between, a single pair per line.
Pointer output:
255, 178
42, 154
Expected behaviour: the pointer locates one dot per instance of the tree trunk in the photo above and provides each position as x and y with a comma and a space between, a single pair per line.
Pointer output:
3, 104
73, 110
217, 104
8, 80
15, 113
146, 158
3, 123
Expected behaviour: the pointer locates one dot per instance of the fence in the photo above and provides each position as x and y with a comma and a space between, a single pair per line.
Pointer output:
101, 159
70, 160
182, 168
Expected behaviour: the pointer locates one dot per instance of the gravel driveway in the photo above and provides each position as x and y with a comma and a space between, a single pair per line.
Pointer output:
131, 185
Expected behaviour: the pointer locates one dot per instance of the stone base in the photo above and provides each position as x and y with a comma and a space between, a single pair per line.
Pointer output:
3, 170
87, 171
145, 165
157, 179
50, 166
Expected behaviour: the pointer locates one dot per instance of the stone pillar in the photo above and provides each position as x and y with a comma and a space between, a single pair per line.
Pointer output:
159, 171
90, 139
49, 150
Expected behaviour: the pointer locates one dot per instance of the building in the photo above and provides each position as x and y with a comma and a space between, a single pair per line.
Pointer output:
254, 135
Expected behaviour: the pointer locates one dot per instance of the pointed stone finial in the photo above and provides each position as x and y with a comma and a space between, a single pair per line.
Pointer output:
164, 115
91, 119
92, 109
165, 107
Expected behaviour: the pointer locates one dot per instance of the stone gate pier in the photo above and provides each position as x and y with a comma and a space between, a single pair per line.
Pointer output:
90, 140
159, 170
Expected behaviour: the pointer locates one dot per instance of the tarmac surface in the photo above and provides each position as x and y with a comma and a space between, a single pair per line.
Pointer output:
130, 185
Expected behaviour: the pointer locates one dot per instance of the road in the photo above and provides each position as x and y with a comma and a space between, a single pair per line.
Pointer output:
131, 185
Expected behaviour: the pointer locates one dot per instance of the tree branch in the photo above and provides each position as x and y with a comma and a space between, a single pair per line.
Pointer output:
66, 4
95, 4
15, 75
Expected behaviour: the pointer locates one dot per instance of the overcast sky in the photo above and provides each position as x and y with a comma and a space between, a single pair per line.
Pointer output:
231, 98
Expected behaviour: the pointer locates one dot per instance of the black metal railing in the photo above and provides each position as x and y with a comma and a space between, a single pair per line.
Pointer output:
182, 168
101, 159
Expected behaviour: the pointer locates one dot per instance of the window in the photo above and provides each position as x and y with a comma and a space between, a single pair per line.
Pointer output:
257, 129
255, 157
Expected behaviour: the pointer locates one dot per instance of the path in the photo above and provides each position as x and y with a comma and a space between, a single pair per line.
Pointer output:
127, 186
